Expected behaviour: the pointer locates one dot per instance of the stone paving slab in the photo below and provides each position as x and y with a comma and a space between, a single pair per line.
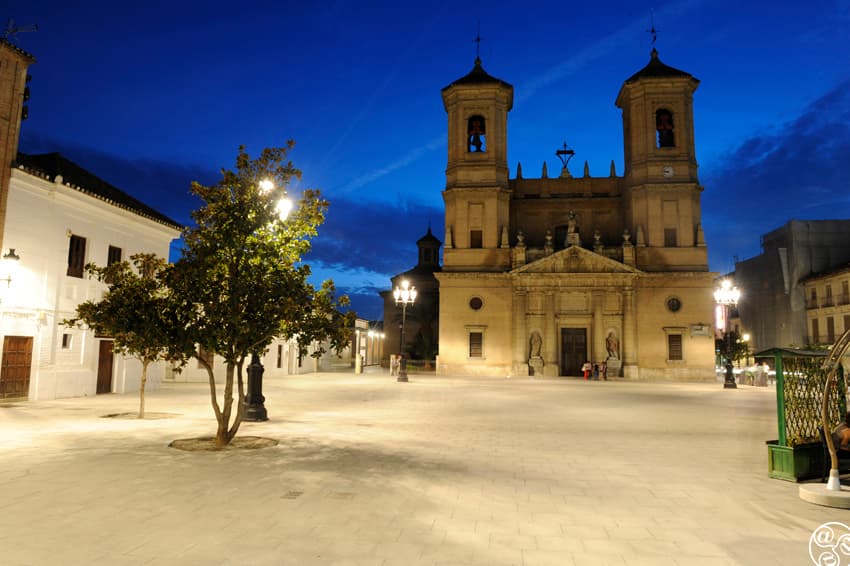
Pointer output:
437, 471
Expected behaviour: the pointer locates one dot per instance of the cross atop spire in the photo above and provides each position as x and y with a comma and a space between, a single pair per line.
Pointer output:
652, 31
477, 41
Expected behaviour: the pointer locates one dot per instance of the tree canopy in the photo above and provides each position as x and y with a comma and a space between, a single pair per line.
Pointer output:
134, 311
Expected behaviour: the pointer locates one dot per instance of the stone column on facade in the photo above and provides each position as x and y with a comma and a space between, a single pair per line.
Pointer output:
628, 345
520, 361
550, 339
597, 330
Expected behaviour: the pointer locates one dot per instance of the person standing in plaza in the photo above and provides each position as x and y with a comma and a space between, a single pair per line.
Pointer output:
586, 367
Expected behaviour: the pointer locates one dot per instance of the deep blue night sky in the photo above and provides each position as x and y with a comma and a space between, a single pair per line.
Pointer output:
153, 95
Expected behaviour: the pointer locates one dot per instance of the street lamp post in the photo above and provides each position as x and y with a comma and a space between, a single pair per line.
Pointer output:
727, 296
255, 408
404, 295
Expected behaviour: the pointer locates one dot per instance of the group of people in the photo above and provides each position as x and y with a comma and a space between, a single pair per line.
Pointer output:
595, 370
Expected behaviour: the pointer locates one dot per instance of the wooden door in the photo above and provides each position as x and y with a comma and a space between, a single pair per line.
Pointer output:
15, 367
573, 350
104, 367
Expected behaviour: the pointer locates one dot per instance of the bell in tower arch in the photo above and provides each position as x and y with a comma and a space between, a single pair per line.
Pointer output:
477, 134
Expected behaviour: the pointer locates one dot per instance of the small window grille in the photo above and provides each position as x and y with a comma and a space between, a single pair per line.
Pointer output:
674, 347
476, 344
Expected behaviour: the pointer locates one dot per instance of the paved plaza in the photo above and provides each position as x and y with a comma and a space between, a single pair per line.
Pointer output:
438, 471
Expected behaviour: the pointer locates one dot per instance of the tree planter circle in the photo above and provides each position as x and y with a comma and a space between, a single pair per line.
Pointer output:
207, 444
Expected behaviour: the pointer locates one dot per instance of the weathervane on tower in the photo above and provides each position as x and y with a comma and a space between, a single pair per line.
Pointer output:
477, 41
652, 31
13, 29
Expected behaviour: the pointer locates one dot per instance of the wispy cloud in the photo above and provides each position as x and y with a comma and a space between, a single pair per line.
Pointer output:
403, 161
569, 66
800, 167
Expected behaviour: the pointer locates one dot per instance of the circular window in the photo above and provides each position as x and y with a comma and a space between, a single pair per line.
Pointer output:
475, 303
674, 304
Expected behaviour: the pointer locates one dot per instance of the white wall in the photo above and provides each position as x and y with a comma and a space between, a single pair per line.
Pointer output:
40, 218
288, 365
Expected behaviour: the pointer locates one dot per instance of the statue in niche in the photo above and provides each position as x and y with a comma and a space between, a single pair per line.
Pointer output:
597, 237
627, 236
535, 343
571, 223
612, 344
520, 239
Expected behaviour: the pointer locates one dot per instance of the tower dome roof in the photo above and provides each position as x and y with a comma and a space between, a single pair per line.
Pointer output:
478, 76
656, 69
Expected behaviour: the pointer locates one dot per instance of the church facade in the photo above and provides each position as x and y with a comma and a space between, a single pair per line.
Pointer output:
542, 275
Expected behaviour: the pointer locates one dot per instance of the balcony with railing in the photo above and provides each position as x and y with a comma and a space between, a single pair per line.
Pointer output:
827, 302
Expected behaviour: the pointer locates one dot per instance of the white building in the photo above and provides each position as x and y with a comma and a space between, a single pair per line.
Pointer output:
281, 359
60, 217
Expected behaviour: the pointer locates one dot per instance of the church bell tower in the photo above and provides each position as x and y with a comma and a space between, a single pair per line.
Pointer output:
661, 189
477, 195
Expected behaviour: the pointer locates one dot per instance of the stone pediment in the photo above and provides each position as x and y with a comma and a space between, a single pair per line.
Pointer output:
575, 259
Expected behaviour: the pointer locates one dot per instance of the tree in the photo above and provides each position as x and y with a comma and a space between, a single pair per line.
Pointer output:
133, 311
241, 282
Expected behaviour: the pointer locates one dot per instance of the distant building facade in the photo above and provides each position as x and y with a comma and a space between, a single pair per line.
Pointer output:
827, 305
540, 275
421, 339
777, 307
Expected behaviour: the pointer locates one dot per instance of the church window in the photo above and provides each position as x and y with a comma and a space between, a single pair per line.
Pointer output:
560, 237
669, 237
674, 347
477, 134
674, 304
475, 303
476, 239
476, 344
664, 128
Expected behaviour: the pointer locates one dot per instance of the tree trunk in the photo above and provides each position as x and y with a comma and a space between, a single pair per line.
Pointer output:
213, 395
223, 436
145, 365
240, 404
